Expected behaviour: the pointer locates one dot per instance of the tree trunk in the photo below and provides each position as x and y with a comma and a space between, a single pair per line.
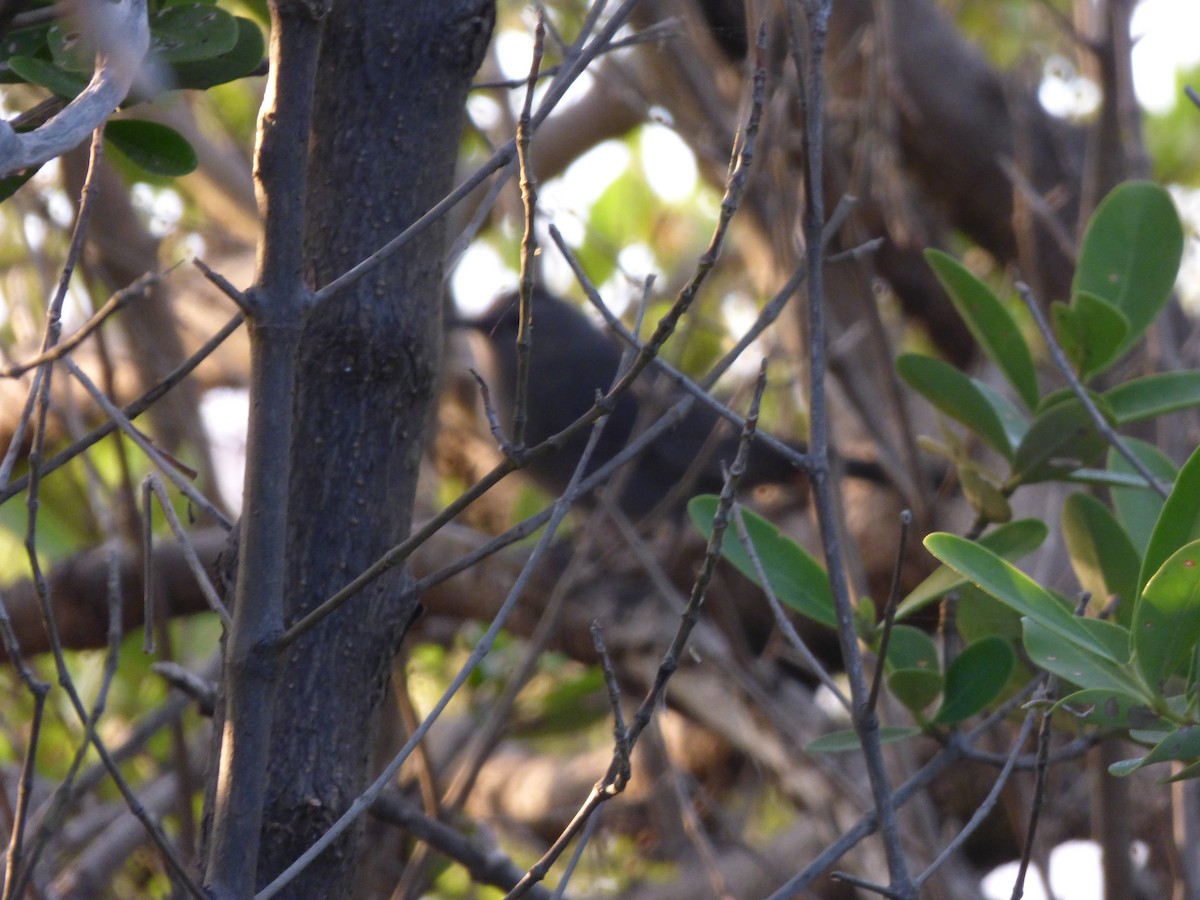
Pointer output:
387, 118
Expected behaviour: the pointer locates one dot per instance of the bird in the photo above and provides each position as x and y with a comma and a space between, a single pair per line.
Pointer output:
570, 361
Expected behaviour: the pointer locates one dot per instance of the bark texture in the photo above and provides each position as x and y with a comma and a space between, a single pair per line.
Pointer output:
387, 120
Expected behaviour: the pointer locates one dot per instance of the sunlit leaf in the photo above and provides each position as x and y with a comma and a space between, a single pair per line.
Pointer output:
1013, 587
1102, 555
1166, 620
187, 33
1179, 521
1011, 541
1130, 254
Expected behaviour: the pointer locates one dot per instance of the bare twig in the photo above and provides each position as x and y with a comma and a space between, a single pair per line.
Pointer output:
1064, 366
528, 241
614, 781
808, 58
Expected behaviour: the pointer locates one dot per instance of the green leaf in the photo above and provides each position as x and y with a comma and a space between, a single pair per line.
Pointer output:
38, 71
975, 679
845, 741
240, 60
1111, 709
1185, 774
1090, 331
989, 322
1183, 743
1130, 254
981, 615
956, 395
1153, 395
1060, 439
1166, 620
1179, 521
1011, 541
985, 497
1014, 421
1139, 507
797, 579
1102, 555
915, 688
187, 33
157, 148
27, 42
1013, 587
911, 648
1077, 664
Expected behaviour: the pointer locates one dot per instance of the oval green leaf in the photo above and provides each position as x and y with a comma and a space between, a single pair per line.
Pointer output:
1077, 664
240, 60
1109, 709
38, 71
191, 32
1137, 505
1153, 395
845, 741
157, 148
1166, 620
1060, 440
989, 323
797, 579
1179, 521
975, 678
915, 688
1130, 254
956, 395
1090, 331
1011, 541
1011, 586
1102, 555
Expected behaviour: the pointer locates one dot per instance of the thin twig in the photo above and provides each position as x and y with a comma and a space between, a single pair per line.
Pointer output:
1064, 365
116, 302
528, 241
615, 780
153, 483
149, 449
131, 411
808, 59
984, 809
781, 620
889, 613
573, 65
1045, 701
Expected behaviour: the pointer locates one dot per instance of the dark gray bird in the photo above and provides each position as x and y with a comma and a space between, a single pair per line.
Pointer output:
569, 362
